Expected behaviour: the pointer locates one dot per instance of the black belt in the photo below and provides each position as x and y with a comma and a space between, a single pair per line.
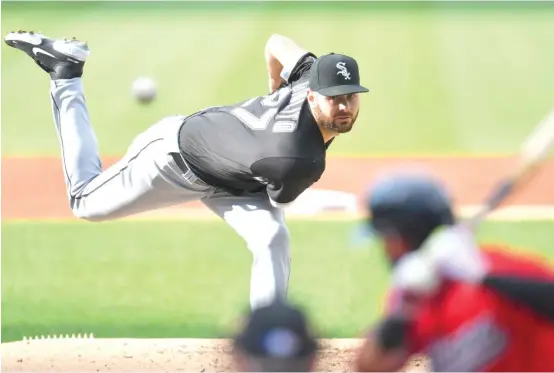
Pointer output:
187, 173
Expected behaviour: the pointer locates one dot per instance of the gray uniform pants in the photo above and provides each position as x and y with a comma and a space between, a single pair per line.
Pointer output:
148, 178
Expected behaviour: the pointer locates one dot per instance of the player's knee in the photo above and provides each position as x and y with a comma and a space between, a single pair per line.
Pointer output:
279, 238
91, 216
273, 239
85, 210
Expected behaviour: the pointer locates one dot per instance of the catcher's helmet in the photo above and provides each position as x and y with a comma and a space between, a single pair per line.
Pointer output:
408, 205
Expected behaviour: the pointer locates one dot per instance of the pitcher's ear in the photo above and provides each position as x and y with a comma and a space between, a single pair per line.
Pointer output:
311, 96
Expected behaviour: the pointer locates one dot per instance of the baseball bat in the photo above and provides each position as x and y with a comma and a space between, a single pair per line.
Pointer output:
533, 151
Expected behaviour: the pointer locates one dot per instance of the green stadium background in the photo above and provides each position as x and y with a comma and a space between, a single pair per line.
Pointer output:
463, 78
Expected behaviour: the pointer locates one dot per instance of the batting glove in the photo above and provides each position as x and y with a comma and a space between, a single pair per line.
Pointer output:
414, 273
454, 254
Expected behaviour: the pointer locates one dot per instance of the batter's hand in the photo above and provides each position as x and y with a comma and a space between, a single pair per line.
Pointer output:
414, 273
455, 254
450, 252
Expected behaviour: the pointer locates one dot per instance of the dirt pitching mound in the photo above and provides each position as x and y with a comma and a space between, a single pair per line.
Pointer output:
153, 355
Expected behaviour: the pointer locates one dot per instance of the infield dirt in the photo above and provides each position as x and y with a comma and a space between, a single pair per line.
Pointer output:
33, 188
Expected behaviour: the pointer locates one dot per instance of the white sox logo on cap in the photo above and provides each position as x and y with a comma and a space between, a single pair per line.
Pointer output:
342, 70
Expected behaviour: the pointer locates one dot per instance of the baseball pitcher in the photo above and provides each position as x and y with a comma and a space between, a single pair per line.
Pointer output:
243, 161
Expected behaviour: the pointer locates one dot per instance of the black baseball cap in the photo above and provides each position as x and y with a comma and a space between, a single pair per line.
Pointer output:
277, 330
334, 75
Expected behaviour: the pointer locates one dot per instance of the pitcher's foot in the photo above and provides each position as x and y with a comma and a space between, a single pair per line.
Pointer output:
61, 58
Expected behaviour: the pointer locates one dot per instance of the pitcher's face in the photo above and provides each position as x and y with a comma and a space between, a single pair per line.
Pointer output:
335, 113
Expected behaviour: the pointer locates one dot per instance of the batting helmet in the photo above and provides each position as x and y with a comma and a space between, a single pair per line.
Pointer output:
408, 205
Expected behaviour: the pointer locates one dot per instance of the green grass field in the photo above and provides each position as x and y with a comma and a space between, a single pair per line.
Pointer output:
175, 279
445, 78
460, 78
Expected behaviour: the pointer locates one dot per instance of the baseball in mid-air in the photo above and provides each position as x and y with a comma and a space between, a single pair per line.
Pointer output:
144, 89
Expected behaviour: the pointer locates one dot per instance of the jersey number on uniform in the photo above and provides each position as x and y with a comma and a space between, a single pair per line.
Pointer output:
283, 122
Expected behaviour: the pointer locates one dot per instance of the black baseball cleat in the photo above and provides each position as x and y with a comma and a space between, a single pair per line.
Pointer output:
62, 59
